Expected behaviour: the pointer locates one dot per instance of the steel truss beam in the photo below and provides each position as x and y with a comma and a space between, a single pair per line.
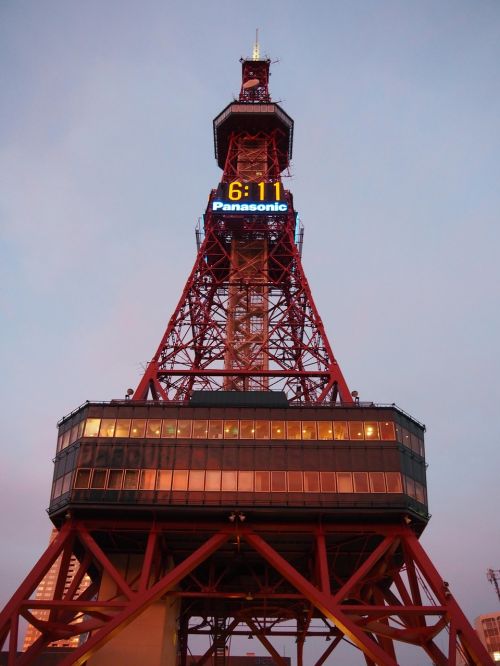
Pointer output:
376, 605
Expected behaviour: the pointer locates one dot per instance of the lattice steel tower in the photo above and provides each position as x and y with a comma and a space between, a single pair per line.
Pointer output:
242, 487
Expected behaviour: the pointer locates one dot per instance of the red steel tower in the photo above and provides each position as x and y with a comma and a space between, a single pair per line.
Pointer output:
242, 490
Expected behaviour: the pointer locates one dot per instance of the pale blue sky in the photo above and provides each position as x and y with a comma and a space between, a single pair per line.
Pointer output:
106, 162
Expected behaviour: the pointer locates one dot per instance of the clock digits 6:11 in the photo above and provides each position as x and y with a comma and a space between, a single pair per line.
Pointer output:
237, 191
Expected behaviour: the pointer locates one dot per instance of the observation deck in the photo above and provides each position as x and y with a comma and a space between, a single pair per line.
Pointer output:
250, 452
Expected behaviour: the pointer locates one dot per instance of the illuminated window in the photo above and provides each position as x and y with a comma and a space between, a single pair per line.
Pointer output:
377, 482
393, 480
122, 427
66, 485
82, 479
340, 430
295, 482
153, 428
99, 478
107, 428
420, 492
399, 433
356, 430
115, 479
200, 429
311, 482
92, 427
180, 479
215, 430
57, 488
212, 480
65, 439
148, 478
138, 428
169, 428
325, 430
81, 426
371, 430
184, 428
262, 482
293, 430
328, 482
196, 479
229, 481
405, 437
245, 481
74, 434
261, 429
131, 479
277, 429
344, 482
360, 482
410, 486
163, 479
278, 482
230, 429
247, 429
387, 431
309, 430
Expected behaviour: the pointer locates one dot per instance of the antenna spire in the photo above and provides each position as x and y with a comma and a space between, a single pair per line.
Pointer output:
256, 47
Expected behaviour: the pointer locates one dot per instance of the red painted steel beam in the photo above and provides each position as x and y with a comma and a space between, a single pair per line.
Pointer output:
143, 600
321, 600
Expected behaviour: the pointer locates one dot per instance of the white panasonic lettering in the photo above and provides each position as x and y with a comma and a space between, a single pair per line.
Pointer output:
274, 207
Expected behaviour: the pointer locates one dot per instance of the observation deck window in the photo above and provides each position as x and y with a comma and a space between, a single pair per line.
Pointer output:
200, 429
196, 479
99, 478
131, 479
328, 482
356, 430
360, 482
122, 427
82, 479
138, 428
153, 428
262, 429
371, 430
169, 428
325, 430
245, 481
309, 430
164, 479
394, 484
247, 430
344, 482
229, 480
184, 428
277, 429
311, 482
115, 479
180, 479
295, 482
293, 430
262, 482
92, 427
387, 431
377, 482
340, 430
212, 479
107, 428
215, 430
278, 482
231, 429
147, 480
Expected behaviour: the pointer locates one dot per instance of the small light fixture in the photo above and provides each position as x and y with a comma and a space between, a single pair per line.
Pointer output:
250, 636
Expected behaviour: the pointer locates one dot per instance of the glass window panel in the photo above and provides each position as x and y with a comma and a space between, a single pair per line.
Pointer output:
92, 427
163, 479
387, 431
295, 482
200, 428
371, 430
66, 483
99, 478
169, 428
59, 442
247, 429
356, 430
262, 482
215, 430
344, 482
122, 427
311, 482
377, 482
57, 487
197, 479
231, 429
180, 479
309, 430
277, 430
278, 482
399, 432
410, 486
131, 479
414, 443
361, 482
81, 426
262, 429
405, 437
325, 430
153, 428
82, 479
293, 430
65, 439
148, 478
74, 434
340, 430
115, 479
393, 481
229, 480
184, 428
245, 481
212, 480
328, 482
107, 428
421, 447
419, 492
138, 428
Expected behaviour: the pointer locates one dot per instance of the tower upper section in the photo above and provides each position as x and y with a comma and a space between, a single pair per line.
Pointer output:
254, 116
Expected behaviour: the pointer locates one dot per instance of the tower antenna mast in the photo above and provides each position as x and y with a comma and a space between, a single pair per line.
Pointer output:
493, 575
256, 46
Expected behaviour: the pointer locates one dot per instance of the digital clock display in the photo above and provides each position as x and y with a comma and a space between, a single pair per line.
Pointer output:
238, 197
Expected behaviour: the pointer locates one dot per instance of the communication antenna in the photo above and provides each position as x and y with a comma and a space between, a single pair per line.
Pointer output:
256, 47
493, 575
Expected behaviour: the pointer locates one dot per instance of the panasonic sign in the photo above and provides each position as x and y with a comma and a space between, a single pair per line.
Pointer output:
232, 207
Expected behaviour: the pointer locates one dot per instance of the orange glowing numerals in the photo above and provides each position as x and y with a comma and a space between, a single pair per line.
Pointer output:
235, 192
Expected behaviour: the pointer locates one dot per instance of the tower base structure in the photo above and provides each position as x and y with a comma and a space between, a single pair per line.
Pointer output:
257, 518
